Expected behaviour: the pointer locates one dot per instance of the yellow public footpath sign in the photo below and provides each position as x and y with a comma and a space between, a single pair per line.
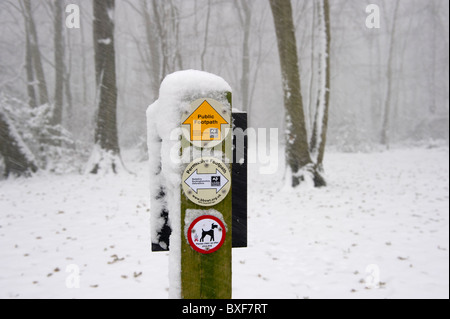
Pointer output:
207, 123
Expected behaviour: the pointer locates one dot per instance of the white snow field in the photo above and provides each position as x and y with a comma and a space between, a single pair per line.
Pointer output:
379, 230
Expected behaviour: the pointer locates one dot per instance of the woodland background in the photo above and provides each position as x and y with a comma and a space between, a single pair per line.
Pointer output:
73, 99
396, 74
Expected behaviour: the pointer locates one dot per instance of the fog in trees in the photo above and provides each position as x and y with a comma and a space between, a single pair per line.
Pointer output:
383, 86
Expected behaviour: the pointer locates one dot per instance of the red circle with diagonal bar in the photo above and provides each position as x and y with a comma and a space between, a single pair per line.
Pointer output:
206, 234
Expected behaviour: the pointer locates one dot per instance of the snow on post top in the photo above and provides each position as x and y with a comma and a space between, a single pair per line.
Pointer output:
176, 92
181, 84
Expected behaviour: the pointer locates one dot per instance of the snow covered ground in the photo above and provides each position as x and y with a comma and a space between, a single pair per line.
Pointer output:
379, 230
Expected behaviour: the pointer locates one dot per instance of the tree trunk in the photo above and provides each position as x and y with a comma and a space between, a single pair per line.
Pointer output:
323, 132
18, 159
245, 18
384, 139
319, 132
67, 78
297, 149
308, 113
205, 39
106, 154
59, 62
35, 53
83, 69
154, 52
32, 102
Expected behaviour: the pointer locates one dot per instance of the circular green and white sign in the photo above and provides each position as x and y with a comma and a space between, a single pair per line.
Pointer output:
206, 181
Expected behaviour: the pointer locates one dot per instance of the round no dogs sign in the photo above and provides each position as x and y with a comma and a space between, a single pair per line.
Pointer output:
206, 234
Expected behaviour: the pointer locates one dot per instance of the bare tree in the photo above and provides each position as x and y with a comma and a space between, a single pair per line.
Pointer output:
205, 38
67, 71
153, 54
161, 50
384, 138
245, 19
34, 54
319, 132
309, 109
297, 148
32, 99
59, 61
106, 154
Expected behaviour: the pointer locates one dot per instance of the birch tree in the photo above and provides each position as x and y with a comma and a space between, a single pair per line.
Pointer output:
319, 131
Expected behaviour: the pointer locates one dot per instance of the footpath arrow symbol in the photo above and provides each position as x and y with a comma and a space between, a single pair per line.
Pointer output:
198, 181
205, 123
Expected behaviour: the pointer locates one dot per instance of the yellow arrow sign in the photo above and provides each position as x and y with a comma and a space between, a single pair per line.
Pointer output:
205, 123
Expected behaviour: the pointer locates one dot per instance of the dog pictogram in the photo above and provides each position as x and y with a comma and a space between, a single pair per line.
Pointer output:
210, 233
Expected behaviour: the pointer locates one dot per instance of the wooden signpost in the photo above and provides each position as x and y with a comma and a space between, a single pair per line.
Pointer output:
238, 190
206, 202
202, 214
